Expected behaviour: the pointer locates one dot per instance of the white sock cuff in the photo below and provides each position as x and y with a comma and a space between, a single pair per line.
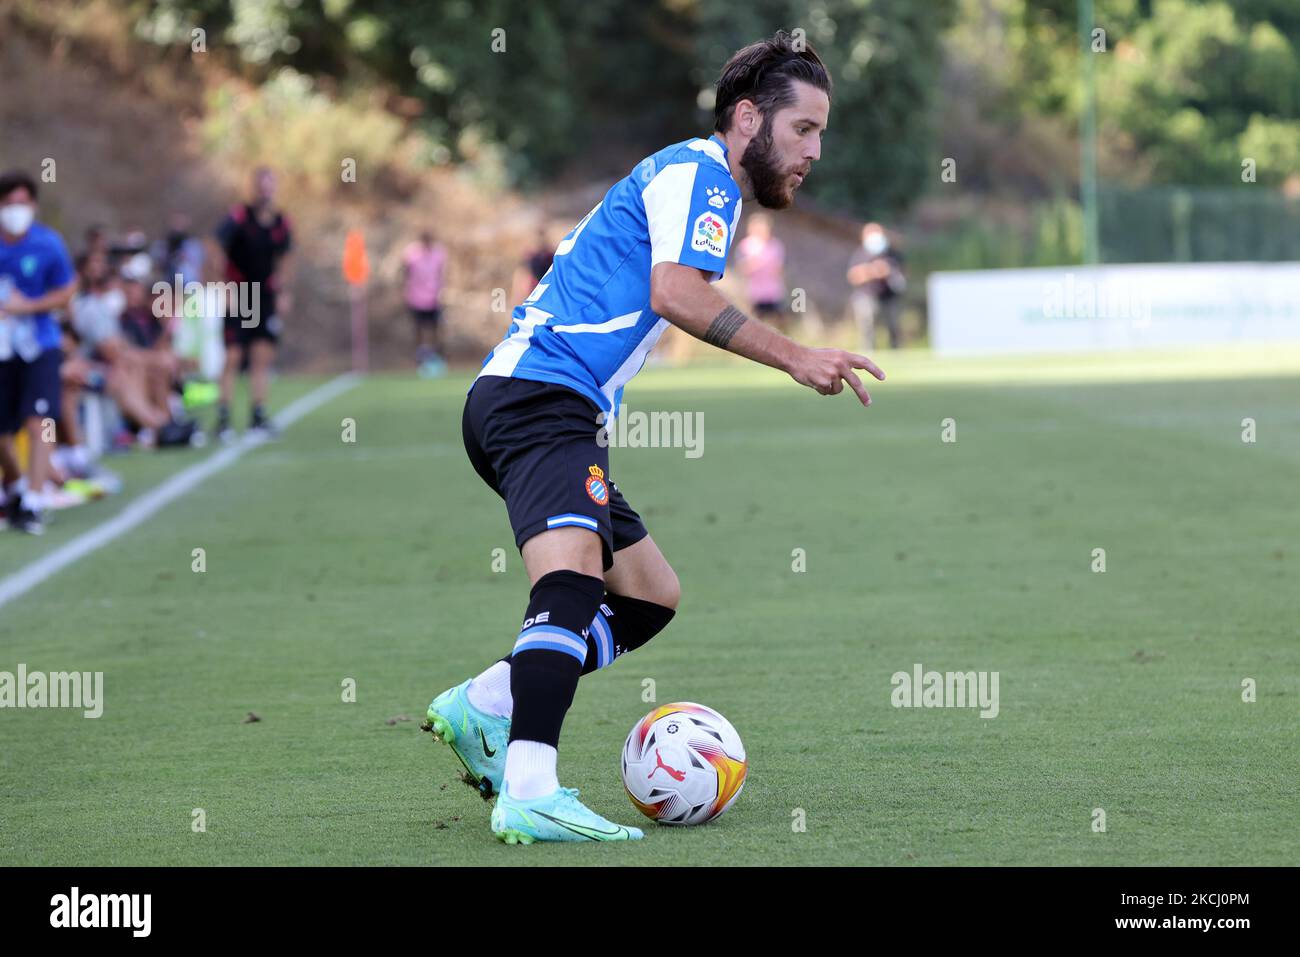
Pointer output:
530, 769
490, 691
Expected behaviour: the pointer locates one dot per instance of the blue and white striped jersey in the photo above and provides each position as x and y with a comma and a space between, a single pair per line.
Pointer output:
588, 324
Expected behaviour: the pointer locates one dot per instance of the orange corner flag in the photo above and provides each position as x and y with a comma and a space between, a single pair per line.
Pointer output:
356, 265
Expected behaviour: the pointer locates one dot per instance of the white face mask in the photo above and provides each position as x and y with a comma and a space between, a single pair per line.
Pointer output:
875, 243
16, 218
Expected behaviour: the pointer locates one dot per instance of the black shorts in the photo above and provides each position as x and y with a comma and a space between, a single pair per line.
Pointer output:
30, 390
426, 316
241, 331
534, 444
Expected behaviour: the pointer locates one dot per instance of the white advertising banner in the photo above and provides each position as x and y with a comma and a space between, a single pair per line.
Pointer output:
1084, 309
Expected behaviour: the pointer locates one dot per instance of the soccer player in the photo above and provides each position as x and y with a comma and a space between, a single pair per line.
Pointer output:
256, 238
643, 258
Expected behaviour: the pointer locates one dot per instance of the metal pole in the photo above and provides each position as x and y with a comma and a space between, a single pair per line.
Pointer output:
360, 330
1088, 137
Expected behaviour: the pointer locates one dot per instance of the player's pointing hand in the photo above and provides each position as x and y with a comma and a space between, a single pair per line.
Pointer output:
826, 370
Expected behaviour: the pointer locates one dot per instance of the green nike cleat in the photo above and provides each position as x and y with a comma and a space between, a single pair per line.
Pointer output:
478, 739
558, 816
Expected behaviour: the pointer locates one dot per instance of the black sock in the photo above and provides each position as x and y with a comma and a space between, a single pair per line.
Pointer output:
259, 414
623, 624
630, 622
549, 653
223, 416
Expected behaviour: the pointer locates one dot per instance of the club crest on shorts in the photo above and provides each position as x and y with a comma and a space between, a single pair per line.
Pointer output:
597, 488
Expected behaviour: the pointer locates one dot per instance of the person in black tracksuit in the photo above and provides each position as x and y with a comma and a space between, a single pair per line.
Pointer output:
256, 238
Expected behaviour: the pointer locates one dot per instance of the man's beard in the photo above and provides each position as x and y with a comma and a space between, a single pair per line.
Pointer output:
766, 177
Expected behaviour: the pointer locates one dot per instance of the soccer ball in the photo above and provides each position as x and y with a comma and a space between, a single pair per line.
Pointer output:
683, 763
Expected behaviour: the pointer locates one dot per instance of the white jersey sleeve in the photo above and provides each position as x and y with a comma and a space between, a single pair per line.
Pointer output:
691, 209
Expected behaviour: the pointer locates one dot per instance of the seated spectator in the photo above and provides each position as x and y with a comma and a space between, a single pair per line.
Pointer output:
96, 309
140, 327
134, 380
180, 252
148, 327
77, 375
133, 260
96, 238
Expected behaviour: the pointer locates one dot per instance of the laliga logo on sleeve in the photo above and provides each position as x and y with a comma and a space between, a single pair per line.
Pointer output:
596, 487
709, 234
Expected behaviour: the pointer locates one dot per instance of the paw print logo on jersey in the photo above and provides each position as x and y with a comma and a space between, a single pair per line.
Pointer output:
717, 197
709, 235
597, 489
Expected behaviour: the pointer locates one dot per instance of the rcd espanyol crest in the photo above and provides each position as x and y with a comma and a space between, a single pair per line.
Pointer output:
597, 487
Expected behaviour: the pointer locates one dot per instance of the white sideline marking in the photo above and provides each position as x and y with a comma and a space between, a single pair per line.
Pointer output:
149, 503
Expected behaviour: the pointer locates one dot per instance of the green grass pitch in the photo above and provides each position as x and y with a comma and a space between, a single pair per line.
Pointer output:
372, 561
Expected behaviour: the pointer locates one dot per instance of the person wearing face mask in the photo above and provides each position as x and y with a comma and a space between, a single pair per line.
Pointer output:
876, 275
36, 279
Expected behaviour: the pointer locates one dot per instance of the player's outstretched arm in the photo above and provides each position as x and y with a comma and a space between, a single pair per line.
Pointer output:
683, 296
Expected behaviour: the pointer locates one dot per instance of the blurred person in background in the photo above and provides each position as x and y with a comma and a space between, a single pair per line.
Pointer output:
148, 327
535, 264
876, 275
130, 377
96, 240
424, 268
36, 279
131, 257
140, 327
77, 376
95, 312
256, 238
1291, 187
181, 252
762, 263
